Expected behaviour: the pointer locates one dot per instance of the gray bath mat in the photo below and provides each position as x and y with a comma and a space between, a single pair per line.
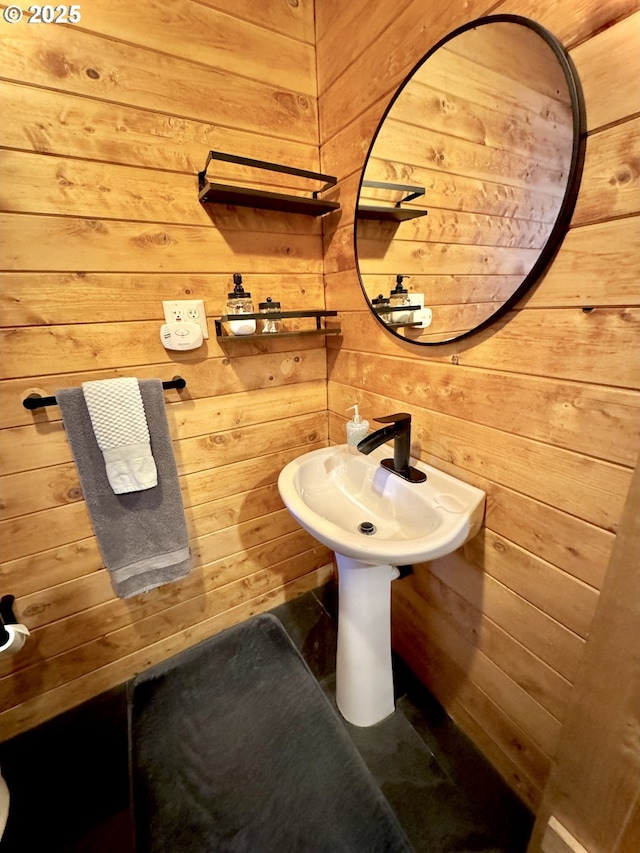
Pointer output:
235, 748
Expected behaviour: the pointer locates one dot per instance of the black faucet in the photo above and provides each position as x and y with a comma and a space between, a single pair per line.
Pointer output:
399, 430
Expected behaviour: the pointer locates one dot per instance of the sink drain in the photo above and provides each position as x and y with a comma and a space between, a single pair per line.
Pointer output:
367, 528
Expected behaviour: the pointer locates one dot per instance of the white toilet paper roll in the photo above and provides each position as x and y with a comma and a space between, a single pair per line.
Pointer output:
16, 639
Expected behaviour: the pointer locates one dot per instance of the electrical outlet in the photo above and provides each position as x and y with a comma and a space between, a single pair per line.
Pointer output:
186, 311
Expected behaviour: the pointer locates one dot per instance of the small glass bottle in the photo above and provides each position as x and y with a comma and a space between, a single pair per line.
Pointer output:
398, 298
269, 307
239, 302
381, 305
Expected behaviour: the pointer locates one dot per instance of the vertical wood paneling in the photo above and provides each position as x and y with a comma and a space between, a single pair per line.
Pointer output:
106, 124
490, 409
594, 786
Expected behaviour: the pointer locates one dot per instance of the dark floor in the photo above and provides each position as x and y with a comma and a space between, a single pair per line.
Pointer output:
444, 793
69, 778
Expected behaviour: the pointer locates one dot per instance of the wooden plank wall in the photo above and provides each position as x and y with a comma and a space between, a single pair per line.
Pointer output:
105, 125
541, 409
593, 794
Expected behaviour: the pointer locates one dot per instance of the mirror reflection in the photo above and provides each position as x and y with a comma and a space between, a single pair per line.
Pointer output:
466, 179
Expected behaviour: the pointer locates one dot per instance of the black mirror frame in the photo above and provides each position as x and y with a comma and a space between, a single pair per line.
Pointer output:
568, 204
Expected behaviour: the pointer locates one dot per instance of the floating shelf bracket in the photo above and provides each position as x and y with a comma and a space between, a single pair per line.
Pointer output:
217, 193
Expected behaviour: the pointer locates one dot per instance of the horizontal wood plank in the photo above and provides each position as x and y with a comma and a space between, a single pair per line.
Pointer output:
68, 59
502, 737
232, 561
55, 485
49, 299
607, 64
31, 713
200, 33
48, 445
557, 646
591, 419
426, 595
276, 364
66, 125
569, 344
537, 470
526, 712
69, 522
72, 244
33, 183
148, 629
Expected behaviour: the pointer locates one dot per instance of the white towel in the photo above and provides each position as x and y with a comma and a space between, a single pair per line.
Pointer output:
120, 427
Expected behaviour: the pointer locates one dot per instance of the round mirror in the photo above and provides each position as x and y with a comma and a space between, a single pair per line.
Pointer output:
470, 180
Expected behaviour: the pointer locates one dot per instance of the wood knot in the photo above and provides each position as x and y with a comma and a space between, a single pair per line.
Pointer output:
623, 177
35, 609
91, 72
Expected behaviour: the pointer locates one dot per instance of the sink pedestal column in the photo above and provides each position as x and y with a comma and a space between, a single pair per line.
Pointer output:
364, 679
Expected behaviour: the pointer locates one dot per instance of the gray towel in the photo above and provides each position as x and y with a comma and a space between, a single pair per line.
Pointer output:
142, 535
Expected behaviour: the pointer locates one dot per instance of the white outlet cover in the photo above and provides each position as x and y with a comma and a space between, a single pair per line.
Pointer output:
186, 311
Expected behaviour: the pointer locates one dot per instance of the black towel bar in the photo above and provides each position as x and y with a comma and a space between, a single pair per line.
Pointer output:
35, 401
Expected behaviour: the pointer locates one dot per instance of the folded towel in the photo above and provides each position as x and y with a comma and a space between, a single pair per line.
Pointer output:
142, 535
121, 430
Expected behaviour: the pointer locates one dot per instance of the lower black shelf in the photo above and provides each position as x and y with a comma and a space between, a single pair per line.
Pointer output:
265, 336
263, 200
277, 315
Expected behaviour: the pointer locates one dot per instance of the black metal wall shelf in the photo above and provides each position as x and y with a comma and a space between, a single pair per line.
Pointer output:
394, 212
276, 315
217, 193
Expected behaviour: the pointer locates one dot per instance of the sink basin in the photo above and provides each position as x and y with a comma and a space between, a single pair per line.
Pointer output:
331, 492
374, 521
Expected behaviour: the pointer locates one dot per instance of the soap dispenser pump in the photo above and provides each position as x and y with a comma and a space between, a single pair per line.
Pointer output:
357, 429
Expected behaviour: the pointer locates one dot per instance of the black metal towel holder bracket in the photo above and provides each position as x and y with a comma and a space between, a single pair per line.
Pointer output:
35, 401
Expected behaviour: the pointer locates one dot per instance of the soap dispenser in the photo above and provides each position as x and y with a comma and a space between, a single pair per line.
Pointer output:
357, 429
399, 297
238, 303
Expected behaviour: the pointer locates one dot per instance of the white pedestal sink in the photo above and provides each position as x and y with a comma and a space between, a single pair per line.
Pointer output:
374, 521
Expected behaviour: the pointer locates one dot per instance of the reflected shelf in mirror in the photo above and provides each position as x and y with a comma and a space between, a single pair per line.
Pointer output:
393, 211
